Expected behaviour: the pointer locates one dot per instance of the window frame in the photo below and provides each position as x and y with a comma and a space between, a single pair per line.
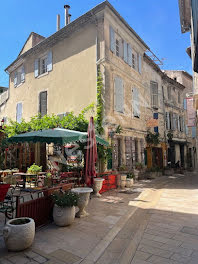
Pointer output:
154, 94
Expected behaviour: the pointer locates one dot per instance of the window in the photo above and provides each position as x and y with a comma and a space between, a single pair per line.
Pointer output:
181, 123
117, 48
19, 76
43, 64
136, 103
154, 94
167, 121
134, 60
19, 112
119, 95
43, 103
112, 39
169, 92
139, 63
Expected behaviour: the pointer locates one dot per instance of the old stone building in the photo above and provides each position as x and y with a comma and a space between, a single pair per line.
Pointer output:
58, 74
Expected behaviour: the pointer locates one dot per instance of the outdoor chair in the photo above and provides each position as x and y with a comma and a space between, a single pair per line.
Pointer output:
6, 201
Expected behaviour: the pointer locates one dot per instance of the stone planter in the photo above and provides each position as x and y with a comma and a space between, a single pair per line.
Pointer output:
84, 194
129, 183
19, 236
63, 216
97, 186
123, 181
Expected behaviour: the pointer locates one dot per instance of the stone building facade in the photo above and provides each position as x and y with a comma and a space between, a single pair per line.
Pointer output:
57, 75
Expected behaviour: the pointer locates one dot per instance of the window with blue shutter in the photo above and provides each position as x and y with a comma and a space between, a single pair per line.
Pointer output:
129, 55
136, 103
125, 52
139, 63
19, 112
156, 129
119, 95
36, 68
155, 115
194, 132
49, 61
185, 104
112, 39
15, 79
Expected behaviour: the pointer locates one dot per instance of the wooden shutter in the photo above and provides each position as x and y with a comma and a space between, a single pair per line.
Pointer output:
136, 103
139, 63
15, 79
112, 39
19, 113
49, 61
129, 55
36, 68
121, 48
119, 95
23, 74
125, 52
43, 103
179, 127
154, 94
167, 121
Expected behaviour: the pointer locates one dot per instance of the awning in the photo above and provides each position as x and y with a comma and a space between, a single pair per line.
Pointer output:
57, 136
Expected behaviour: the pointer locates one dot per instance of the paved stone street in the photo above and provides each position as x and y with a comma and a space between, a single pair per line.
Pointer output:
156, 223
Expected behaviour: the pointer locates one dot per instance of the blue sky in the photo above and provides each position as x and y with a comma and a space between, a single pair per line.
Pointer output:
156, 21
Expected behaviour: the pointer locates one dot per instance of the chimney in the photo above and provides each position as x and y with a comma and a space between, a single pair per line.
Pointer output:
67, 7
69, 18
58, 23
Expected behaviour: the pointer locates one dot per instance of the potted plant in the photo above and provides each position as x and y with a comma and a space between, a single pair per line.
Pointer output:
19, 233
130, 180
34, 169
48, 180
64, 207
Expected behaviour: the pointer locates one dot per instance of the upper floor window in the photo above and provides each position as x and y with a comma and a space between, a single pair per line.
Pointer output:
125, 51
43, 64
43, 103
19, 76
119, 95
19, 109
169, 92
136, 102
154, 94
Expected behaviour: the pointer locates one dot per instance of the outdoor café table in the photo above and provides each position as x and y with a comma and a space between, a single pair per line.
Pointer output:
24, 177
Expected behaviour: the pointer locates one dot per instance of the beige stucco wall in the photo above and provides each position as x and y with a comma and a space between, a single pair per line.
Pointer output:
71, 85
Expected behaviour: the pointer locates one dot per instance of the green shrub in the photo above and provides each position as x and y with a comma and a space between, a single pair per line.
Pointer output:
130, 176
65, 199
34, 169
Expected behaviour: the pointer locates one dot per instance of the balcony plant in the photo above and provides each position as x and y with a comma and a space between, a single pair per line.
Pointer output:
34, 169
64, 207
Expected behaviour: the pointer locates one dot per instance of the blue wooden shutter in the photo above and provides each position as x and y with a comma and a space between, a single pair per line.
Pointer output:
23, 74
125, 52
185, 104
136, 103
119, 95
129, 55
49, 61
194, 132
19, 113
112, 39
15, 79
36, 68
139, 63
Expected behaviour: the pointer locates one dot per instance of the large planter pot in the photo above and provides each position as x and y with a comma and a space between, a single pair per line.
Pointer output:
63, 216
97, 186
84, 194
19, 233
129, 183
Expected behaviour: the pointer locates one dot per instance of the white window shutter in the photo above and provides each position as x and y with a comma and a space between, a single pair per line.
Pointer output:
49, 61
19, 113
119, 95
15, 79
112, 40
136, 103
121, 48
129, 55
167, 121
125, 52
139, 63
179, 127
36, 68
23, 74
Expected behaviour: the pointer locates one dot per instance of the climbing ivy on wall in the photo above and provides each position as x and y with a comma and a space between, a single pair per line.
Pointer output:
100, 108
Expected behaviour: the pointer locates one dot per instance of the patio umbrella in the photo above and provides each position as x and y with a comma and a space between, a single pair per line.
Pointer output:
57, 136
91, 155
